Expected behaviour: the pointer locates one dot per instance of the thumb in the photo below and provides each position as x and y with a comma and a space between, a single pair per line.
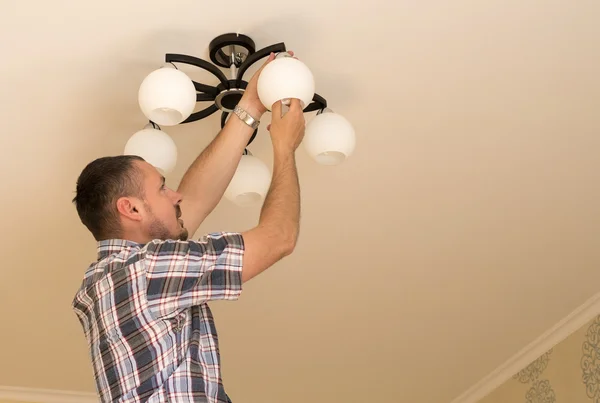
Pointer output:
269, 60
276, 109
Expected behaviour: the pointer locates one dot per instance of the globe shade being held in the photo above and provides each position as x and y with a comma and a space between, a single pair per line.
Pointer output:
285, 78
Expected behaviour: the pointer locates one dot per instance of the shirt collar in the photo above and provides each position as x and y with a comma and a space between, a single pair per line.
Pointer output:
113, 246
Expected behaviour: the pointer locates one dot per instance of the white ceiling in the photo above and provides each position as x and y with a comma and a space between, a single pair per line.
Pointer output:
464, 226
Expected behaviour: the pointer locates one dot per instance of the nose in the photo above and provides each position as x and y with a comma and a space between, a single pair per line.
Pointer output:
176, 197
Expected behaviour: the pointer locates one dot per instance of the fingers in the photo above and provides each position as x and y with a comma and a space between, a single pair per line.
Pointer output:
295, 104
269, 60
273, 55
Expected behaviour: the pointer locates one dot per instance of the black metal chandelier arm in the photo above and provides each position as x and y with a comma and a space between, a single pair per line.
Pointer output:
200, 97
208, 89
252, 138
201, 114
317, 104
256, 56
224, 118
194, 61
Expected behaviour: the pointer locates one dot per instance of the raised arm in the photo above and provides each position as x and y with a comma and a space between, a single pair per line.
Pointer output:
277, 231
180, 274
205, 181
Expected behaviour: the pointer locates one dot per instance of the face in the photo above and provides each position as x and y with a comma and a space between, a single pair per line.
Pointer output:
161, 207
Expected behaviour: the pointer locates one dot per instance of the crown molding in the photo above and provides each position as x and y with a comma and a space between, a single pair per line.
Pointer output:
45, 395
557, 333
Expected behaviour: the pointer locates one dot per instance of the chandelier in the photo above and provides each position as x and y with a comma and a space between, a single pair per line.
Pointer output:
168, 97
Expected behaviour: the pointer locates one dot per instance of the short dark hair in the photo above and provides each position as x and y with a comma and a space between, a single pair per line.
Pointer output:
101, 183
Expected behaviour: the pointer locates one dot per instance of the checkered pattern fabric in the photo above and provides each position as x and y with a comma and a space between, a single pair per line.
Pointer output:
144, 312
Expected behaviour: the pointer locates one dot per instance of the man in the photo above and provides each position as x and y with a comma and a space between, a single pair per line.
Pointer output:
143, 303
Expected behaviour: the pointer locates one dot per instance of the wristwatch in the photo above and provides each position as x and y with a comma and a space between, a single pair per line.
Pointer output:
245, 117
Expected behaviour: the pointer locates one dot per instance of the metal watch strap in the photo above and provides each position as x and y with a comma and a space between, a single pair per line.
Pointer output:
245, 117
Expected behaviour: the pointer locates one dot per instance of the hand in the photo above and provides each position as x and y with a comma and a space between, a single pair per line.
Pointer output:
287, 131
250, 101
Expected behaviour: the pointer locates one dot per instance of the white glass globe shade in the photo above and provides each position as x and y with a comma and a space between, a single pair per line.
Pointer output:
167, 96
154, 146
329, 138
285, 78
250, 183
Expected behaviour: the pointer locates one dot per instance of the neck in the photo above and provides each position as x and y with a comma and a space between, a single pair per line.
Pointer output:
135, 236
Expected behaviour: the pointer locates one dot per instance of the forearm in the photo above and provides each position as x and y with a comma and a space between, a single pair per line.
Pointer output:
206, 179
281, 209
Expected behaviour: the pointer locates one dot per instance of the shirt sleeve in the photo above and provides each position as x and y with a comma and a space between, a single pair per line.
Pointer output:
181, 274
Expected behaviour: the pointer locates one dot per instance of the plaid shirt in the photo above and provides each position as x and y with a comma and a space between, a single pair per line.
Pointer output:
151, 335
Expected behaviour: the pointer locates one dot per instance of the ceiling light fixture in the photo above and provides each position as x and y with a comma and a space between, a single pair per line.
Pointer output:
168, 97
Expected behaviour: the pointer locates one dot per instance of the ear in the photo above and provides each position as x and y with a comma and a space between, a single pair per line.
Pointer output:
130, 207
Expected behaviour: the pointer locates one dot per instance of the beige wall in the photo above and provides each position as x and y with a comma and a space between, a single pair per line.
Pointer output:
567, 373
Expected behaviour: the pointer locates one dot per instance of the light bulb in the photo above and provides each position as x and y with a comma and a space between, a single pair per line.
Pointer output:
285, 78
167, 96
250, 183
329, 138
155, 146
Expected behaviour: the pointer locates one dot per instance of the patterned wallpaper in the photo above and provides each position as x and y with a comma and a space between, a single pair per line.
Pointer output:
567, 373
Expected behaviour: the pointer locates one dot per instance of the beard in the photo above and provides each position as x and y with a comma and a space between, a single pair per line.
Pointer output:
158, 230
183, 234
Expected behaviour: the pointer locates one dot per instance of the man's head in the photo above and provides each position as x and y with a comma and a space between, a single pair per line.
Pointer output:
125, 197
